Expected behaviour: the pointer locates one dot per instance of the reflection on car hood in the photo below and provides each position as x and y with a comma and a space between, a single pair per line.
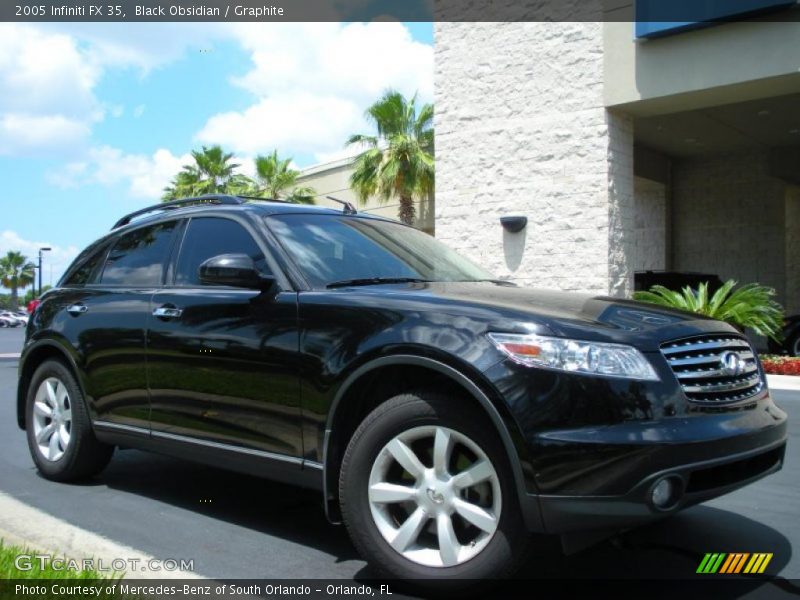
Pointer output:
549, 312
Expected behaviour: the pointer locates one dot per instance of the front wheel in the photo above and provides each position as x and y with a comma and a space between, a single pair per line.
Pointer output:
427, 493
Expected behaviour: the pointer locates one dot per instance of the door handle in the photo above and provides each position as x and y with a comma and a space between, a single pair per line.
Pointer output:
167, 312
77, 309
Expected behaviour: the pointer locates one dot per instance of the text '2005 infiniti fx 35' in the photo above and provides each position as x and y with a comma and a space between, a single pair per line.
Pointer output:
442, 414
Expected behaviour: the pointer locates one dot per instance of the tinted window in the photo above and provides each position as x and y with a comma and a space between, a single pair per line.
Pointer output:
137, 259
87, 271
330, 248
207, 237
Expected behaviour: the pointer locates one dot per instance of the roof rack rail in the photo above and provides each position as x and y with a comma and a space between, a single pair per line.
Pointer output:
263, 199
173, 204
348, 209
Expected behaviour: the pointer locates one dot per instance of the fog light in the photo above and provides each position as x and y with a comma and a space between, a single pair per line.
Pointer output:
664, 494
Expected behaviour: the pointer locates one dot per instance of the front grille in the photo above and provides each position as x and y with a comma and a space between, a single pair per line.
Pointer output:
699, 364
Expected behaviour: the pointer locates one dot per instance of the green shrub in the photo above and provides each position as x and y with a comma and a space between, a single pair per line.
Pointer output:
750, 305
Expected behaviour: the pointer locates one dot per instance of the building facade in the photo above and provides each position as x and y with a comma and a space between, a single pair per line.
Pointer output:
625, 153
333, 179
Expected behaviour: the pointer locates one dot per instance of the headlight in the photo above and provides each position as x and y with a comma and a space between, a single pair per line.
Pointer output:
596, 358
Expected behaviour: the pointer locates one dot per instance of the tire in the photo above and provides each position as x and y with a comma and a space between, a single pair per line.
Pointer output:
70, 451
419, 420
793, 345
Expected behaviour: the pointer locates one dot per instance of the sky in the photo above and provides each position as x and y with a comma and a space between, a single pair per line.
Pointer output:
96, 118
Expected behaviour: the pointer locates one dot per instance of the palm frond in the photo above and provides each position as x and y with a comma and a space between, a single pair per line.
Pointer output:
749, 306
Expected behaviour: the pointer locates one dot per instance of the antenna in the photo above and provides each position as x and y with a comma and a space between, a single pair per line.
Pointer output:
348, 209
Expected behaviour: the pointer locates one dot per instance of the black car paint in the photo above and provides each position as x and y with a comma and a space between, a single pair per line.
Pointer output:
251, 380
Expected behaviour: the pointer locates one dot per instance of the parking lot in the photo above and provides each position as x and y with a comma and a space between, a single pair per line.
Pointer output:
235, 526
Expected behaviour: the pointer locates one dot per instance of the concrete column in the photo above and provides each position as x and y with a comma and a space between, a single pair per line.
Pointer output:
521, 129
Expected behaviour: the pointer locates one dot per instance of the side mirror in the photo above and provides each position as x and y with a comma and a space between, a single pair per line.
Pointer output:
235, 270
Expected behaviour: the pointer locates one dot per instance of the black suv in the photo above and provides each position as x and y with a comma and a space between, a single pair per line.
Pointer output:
443, 415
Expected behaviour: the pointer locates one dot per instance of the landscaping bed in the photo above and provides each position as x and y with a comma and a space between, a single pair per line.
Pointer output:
781, 365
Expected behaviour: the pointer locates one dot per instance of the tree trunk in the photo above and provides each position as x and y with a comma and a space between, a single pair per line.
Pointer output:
14, 298
406, 211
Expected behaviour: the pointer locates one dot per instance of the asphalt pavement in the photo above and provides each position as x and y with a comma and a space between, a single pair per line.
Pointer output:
235, 526
11, 339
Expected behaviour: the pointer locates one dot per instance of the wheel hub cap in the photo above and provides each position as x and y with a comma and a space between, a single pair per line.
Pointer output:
435, 496
52, 419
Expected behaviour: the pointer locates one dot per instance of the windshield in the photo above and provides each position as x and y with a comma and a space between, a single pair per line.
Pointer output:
331, 249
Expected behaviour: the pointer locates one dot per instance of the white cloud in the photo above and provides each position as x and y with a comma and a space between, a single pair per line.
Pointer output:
49, 74
47, 82
24, 133
138, 111
143, 46
292, 122
54, 263
146, 176
314, 81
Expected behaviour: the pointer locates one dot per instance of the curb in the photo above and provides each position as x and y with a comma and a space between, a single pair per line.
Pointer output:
784, 383
23, 525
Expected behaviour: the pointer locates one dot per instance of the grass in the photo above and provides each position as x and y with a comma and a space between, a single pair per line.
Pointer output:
9, 570
40, 579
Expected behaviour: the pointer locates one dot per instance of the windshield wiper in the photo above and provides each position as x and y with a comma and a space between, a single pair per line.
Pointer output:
501, 282
375, 281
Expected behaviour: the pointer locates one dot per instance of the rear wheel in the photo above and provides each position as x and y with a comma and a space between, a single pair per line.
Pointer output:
60, 436
427, 493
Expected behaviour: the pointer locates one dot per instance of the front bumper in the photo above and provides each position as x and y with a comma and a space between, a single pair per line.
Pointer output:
603, 478
699, 482
591, 449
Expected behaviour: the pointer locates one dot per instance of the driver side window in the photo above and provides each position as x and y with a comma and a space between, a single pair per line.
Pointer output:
210, 236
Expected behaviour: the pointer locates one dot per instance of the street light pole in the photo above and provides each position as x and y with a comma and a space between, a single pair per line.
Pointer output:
40, 269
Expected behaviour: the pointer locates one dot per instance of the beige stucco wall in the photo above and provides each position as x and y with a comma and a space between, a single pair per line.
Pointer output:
333, 179
726, 63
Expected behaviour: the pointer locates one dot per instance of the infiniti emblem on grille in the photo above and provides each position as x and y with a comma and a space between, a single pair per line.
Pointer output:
732, 363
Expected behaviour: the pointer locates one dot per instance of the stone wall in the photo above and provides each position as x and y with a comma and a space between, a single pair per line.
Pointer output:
729, 218
649, 234
521, 129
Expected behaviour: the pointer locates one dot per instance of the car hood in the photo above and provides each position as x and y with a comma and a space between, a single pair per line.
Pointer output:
548, 312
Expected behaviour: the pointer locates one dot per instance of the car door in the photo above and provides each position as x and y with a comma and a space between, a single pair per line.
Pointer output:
105, 311
222, 360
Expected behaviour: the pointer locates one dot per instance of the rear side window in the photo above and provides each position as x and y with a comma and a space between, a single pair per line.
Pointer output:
138, 257
86, 273
210, 236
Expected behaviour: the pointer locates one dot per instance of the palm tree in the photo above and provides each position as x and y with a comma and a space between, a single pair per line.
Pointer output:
750, 305
398, 160
275, 179
212, 173
16, 271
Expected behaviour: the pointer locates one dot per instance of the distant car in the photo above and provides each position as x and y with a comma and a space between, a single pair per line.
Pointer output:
675, 280
9, 322
11, 319
791, 338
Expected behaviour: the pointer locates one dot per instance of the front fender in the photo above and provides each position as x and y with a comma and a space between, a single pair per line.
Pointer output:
476, 388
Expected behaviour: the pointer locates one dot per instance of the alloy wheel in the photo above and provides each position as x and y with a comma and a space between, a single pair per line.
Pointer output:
435, 496
52, 419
